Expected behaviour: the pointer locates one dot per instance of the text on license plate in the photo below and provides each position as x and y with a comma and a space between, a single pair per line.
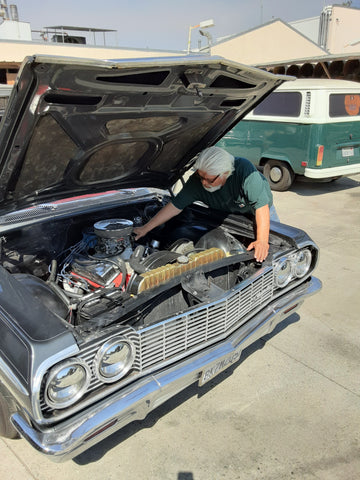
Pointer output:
347, 152
222, 364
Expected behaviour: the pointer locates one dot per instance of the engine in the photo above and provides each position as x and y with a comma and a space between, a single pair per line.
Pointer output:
107, 257
107, 267
97, 274
100, 259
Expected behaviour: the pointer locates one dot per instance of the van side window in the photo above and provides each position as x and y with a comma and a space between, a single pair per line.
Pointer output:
282, 104
344, 105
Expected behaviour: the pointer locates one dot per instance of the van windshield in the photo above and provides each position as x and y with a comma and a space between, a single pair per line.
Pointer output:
281, 104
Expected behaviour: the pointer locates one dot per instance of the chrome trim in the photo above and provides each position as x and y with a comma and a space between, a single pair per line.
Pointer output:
68, 439
45, 366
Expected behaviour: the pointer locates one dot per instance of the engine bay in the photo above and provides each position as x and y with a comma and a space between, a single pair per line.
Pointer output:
91, 272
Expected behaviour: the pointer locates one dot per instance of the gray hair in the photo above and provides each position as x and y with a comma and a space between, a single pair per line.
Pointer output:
215, 161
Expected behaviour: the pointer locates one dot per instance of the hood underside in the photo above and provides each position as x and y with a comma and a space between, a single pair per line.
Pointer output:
76, 126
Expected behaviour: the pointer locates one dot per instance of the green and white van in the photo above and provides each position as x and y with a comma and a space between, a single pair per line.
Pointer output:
308, 127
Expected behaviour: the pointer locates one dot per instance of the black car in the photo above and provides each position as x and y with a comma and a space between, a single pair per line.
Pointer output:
96, 328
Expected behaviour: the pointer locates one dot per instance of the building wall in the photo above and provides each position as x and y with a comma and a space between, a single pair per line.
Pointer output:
17, 51
275, 41
10, 30
13, 54
344, 30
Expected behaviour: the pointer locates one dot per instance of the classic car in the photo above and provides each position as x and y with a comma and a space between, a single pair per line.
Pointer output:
97, 329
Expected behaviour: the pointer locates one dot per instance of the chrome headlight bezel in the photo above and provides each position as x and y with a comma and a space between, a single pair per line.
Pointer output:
293, 266
121, 366
75, 391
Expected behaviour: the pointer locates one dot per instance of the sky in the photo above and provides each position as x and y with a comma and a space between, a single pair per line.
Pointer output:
163, 24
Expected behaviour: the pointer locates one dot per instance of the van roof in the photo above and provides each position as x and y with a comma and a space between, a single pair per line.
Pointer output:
320, 84
4, 88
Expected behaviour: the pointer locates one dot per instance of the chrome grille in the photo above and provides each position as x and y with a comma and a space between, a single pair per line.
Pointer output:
199, 328
163, 343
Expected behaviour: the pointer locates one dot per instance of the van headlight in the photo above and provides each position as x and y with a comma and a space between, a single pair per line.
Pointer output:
66, 383
114, 359
296, 265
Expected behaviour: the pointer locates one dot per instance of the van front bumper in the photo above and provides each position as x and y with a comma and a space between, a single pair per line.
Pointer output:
71, 437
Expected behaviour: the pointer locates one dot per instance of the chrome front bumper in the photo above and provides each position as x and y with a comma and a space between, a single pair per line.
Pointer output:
71, 437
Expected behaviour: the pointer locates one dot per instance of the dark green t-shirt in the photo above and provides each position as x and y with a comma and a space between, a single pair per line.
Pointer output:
245, 191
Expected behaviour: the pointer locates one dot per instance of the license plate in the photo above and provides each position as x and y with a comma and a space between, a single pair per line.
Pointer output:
347, 152
219, 366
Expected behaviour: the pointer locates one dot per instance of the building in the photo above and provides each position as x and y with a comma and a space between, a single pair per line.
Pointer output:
16, 43
327, 46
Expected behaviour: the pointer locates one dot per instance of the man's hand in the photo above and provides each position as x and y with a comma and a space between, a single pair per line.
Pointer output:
140, 232
261, 250
161, 217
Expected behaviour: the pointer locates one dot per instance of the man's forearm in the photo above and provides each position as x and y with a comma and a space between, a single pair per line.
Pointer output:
262, 218
261, 244
161, 217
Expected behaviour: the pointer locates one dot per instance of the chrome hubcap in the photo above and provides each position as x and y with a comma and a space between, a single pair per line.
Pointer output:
275, 174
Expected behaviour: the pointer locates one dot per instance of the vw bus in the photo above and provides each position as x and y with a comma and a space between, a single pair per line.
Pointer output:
308, 127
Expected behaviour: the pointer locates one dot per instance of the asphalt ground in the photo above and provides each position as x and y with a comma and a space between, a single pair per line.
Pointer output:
289, 409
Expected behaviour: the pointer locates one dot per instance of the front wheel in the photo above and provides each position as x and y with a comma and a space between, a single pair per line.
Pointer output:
279, 175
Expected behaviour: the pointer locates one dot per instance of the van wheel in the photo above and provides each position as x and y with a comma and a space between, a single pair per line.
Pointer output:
279, 175
7, 407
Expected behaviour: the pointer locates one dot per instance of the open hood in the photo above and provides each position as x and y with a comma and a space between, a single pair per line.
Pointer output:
77, 126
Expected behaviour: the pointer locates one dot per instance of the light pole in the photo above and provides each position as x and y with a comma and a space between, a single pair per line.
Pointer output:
204, 24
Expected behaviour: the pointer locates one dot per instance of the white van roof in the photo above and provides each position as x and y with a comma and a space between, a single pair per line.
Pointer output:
5, 89
319, 84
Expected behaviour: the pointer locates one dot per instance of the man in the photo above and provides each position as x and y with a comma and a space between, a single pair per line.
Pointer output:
227, 184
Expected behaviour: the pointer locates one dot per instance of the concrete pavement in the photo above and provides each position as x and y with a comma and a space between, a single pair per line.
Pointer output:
289, 410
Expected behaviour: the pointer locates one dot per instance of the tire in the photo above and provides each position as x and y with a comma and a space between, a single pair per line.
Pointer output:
279, 175
7, 407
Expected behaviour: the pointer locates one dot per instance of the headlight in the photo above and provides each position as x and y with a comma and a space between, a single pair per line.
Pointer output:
282, 272
67, 382
302, 262
114, 359
296, 265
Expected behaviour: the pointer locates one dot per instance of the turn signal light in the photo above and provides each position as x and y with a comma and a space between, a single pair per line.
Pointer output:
320, 155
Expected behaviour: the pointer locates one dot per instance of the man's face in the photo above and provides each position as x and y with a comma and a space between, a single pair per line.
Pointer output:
211, 183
